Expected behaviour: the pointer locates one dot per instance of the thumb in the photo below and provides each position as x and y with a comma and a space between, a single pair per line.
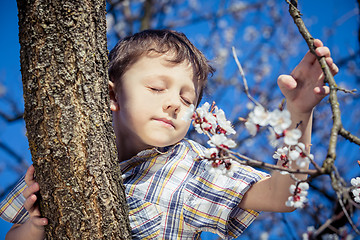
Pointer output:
286, 83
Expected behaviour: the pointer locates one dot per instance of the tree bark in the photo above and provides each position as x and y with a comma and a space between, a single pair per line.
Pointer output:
65, 82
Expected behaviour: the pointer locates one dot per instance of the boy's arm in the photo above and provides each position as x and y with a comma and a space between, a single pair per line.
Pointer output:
33, 228
303, 90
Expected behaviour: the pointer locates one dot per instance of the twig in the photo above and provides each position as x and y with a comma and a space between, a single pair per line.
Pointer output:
256, 163
347, 135
317, 167
347, 214
337, 182
346, 90
244, 78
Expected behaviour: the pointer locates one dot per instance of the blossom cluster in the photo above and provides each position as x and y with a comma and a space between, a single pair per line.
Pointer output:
356, 191
278, 120
295, 154
299, 193
210, 120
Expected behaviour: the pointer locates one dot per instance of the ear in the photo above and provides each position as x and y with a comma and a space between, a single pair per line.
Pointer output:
114, 104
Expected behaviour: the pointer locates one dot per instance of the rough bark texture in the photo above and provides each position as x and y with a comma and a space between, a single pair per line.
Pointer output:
64, 71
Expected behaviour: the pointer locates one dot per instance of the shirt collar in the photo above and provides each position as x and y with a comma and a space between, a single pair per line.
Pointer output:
145, 155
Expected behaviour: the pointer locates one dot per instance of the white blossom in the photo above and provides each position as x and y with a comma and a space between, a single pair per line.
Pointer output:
281, 153
231, 168
221, 140
207, 122
300, 190
203, 119
223, 122
219, 169
259, 116
356, 191
292, 136
273, 138
211, 153
300, 147
298, 199
198, 128
188, 113
310, 230
280, 120
294, 155
303, 161
251, 127
299, 155
203, 110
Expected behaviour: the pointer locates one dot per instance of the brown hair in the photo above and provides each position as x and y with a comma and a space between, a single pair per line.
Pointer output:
130, 49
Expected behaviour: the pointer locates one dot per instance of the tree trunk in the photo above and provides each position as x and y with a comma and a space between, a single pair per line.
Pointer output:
64, 70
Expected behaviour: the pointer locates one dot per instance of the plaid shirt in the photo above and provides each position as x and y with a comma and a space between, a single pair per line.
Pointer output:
171, 196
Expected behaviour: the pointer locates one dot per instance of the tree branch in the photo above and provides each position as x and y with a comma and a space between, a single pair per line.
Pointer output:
147, 15
329, 79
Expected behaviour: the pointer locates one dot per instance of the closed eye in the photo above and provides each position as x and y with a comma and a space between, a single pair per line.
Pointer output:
156, 89
186, 101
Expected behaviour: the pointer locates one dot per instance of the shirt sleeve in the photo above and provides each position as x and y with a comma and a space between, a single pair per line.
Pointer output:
211, 202
12, 207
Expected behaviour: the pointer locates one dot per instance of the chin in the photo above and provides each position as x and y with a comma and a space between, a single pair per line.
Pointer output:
163, 142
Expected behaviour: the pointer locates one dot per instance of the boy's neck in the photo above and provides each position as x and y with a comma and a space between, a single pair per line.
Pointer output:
127, 147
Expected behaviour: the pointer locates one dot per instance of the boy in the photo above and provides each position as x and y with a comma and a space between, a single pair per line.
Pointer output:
155, 76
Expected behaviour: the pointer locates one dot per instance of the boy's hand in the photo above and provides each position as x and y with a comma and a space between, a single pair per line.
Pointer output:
33, 228
305, 87
30, 204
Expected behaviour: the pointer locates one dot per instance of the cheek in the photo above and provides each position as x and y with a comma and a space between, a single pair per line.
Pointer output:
185, 127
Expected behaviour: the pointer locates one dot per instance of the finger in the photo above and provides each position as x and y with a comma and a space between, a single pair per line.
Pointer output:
333, 67
286, 82
322, 91
318, 43
39, 222
29, 190
29, 176
310, 57
29, 204
322, 51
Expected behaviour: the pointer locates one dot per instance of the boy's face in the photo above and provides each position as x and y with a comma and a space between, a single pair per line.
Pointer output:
149, 105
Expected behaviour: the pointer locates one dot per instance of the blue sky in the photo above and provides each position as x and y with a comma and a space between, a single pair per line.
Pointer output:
11, 77
324, 12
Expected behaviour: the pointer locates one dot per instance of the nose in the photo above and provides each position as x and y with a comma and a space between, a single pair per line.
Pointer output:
172, 104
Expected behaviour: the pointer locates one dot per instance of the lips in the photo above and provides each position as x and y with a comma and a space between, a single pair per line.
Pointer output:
166, 122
